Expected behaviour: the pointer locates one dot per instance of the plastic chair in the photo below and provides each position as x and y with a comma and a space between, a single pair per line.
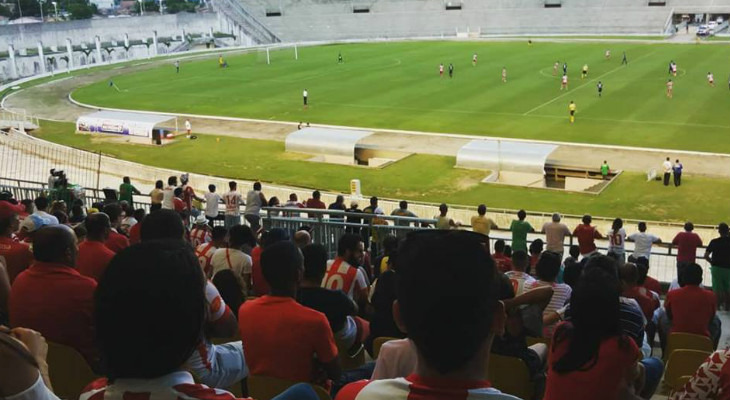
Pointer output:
378, 344
266, 387
510, 375
687, 341
682, 363
69, 371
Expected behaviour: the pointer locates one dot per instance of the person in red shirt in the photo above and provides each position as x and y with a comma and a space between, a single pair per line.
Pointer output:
116, 241
642, 264
590, 357
503, 262
17, 255
148, 328
52, 297
691, 308
134, 231
587, 236
94, 256
687, 243
205, 251
453, 332
260, 286
648, 300
315, 201
281, 336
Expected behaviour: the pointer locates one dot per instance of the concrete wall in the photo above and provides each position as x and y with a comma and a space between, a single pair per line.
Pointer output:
108, 29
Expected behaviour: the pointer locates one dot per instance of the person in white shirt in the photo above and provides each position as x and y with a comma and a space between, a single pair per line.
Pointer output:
305, 95
617, 241
212, 200
39, 218
667, 166
233, 257
643, 241
517, 276
232, 200
254, 201
188, 128
397, 359
168, 193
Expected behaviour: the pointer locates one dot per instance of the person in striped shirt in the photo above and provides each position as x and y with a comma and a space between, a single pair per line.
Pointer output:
147, 328
452, 332
200, 234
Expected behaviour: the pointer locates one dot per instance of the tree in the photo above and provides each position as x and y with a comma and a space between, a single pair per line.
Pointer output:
5, 11
81, 9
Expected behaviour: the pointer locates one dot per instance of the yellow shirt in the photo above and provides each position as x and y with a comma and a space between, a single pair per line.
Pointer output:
481, 224
571, 107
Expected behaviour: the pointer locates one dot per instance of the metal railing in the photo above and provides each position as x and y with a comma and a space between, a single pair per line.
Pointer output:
250, 24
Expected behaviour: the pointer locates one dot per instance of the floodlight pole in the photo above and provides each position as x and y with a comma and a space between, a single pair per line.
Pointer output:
268, 60
296, 53
55, 7
40, 2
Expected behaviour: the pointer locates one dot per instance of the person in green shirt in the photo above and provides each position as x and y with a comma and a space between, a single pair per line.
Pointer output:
605, 169
126, 190
520, 228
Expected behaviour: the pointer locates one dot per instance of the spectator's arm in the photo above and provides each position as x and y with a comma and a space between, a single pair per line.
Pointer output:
4, 289
224, 327
597, 234
708, 252
538, 296
263, 199
17, 374
135, 191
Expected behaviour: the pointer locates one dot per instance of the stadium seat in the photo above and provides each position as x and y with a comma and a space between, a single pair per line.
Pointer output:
378, 343
681, 364
68, 370
534, 340
687, 341
511, 376
266, 387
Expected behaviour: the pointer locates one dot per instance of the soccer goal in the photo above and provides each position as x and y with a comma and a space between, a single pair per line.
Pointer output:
279, 52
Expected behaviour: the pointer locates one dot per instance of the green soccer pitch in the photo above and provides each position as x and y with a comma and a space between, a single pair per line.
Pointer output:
397, 85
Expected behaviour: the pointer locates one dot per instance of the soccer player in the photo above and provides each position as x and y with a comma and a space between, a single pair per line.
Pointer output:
674, 69
564, 82
670, 67
221, 62
711, 79
599, 86
555, 68
608, 54
625, 60
305, 95
670, 88
177, 66
474, 60
339, 58
188, 128
441, 70
584, 73
451, 70
571, 109
565, 68
504, 74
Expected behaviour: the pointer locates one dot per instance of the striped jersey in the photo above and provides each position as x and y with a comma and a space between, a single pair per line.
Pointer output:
175, 386
415, 387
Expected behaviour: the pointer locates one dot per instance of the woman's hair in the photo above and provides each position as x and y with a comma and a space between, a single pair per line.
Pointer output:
618, 223
594, 316
229, 288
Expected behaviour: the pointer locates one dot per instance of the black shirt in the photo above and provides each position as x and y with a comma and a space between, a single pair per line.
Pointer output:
382, 322
333, 303
719, 249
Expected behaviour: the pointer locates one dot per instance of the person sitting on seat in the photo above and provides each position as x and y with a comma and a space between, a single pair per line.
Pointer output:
452, 332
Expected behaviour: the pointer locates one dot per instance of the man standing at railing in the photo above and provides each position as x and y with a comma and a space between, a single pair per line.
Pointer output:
587, 236
687, 243
520, 228
127, 190
643, 241
555, 233
233, 201
255, 199
718, 254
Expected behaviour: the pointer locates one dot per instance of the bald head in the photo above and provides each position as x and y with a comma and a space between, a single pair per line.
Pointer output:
55, 244
302, 239
98, 226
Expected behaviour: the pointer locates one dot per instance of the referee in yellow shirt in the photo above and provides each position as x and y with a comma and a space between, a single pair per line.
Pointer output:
571, 108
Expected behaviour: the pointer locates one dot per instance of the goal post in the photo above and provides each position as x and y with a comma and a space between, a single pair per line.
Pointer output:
274, 53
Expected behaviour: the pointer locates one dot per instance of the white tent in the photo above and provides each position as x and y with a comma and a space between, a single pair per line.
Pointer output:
325, 141
122, 123
504, 155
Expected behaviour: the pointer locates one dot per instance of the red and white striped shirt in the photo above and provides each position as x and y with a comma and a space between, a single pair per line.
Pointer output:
199, 235
415, 387
711, 381
204, 355
175, 386
204, 252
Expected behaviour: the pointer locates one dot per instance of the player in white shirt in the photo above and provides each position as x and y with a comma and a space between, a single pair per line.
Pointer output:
643, 241
212, 200
233, 201
474, 60
504, 74
710, 79
441, 70
608, 54
188, 127
564, 82
233, 258
667, 166
305, 96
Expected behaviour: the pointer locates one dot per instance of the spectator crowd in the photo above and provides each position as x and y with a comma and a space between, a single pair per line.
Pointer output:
186, 301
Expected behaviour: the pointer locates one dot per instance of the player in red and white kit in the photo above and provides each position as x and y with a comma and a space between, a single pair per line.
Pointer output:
564, 82
474, 60
504, 75
555, 68
343, 272
441, 70
710, 79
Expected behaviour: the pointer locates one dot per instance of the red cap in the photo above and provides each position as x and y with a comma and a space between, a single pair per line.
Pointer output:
7, 209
